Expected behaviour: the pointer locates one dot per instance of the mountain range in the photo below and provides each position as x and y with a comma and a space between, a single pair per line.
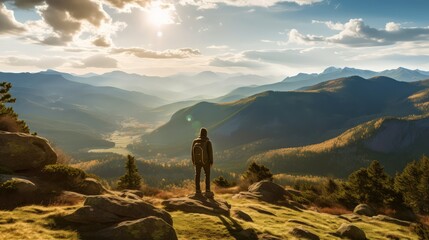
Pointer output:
74, 115
272, 120
392, 141
304, 80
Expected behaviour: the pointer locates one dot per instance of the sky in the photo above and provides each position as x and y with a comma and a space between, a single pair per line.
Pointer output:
166, 37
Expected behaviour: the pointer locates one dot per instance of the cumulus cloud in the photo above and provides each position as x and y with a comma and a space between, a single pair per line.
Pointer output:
166, 54
43, 63
207, 4
8, 24
123, 3
98, 61
63, 20
102, 41
356, 33
217, 62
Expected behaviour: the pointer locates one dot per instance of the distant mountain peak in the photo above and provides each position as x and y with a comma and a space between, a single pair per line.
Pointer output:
331, 70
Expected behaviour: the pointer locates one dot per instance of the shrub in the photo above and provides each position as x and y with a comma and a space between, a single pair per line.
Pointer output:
8, 187
222, 182
63, 175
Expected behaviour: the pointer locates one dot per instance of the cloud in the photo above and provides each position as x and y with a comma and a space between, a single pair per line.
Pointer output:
98, 61
208, 4
123, 3
64, 19
8, 24
219, 47
355, 33
217, 62
43, 63
102, 41
167, 54
331, 25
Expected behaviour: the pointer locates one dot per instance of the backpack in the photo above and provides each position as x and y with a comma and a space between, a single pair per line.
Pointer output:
200, 155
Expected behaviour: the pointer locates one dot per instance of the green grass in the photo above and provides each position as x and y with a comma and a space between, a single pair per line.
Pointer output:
34, 222
199, 226
37, 222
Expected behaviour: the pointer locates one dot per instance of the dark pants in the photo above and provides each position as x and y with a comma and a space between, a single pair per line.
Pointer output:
197, 177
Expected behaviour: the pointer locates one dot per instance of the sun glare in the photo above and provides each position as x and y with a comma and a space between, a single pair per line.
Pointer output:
159, 15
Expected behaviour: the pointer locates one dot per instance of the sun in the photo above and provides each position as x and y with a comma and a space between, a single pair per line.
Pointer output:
159, 15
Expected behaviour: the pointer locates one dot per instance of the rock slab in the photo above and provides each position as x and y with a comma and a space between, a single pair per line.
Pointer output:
111, 208
19, 151
150, 228
197, 204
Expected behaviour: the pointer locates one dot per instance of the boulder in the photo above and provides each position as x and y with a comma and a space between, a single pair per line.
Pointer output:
21, 184
351, 231
19, 151
24, 186
109, 208
150, 228
91, 186
242, 215
303, 234
364, 209
265, 191
197, 204
88, 215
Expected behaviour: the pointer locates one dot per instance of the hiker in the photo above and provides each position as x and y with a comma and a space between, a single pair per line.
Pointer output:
202, 157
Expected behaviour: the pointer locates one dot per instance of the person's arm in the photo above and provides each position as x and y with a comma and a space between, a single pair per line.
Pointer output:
210, 152
192, 152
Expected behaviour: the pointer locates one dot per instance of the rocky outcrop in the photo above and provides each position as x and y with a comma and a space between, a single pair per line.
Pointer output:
301, 233
20, 184
150, 228
19, 151
197, 204
111, 208
351, 232
91, 186
266, 191
364, 209
114, 217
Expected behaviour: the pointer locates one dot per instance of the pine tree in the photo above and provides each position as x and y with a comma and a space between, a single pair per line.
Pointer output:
8, 118
371, 185
413, 183
256, 173
132, 178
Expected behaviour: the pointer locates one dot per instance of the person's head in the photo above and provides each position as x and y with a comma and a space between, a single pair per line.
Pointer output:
203, 132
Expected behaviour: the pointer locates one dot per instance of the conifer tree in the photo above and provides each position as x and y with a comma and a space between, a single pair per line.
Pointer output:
413, 183
8, 118
256, 172
132, 178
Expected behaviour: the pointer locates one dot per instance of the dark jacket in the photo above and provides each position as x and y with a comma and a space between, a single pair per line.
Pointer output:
208, 152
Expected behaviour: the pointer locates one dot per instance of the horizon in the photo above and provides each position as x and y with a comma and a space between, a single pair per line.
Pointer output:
166, 38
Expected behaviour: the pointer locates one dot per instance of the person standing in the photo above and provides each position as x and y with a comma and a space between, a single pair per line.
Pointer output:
202, 158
